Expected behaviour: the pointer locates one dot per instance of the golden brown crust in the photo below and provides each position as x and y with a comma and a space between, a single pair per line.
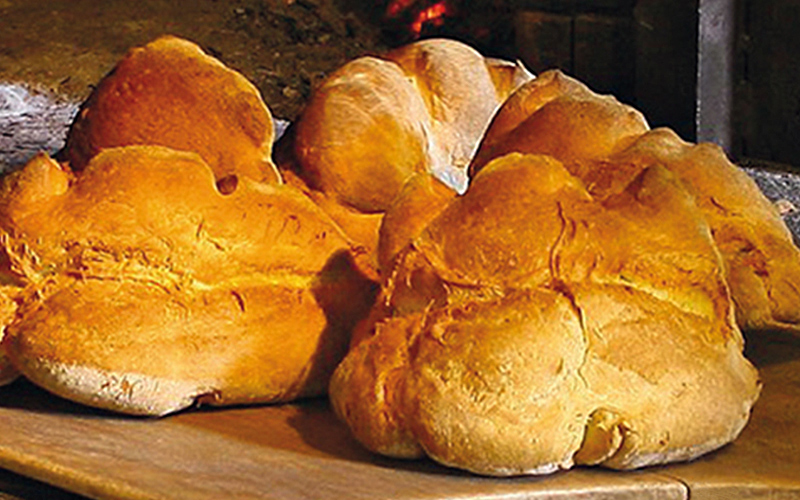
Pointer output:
421, 200
526, 100
762, 262
143, 288
378, 122
534, 326
363, 134
605, 144
559, 116
170, 93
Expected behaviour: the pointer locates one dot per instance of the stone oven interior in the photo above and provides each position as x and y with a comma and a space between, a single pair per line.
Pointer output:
723, 71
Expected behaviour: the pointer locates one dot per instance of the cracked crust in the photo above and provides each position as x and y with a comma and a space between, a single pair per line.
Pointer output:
533, 326
605, 144
139, 287
761, 260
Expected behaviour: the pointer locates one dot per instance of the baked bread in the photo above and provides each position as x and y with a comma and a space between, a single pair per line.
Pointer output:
761, 259
170, 93
422, 198
595, 135
7, 371
461, 90
378, 121
533, 326
559, 116
142, 288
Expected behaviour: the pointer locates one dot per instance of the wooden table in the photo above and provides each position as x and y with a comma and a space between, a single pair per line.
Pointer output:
301, 451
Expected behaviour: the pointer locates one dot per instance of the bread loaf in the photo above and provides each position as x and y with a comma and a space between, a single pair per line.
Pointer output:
142, 288
596, 135
170, 93
533, 326
378, 121
7, 371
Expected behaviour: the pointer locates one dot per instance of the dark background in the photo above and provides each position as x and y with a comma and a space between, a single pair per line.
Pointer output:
726, 71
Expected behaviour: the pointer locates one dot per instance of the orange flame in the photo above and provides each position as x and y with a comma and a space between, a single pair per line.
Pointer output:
432, 15
397, 6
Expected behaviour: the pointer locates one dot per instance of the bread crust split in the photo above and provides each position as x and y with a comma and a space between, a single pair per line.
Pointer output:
533, 326
594, 136
139, 287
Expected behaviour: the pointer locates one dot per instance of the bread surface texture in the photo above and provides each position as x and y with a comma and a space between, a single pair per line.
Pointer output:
7, 307
142, 288
170, 93
533, 326
378, 122
602, 142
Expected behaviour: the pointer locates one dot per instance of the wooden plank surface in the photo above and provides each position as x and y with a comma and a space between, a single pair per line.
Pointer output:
301, 451
765, 461
280, 452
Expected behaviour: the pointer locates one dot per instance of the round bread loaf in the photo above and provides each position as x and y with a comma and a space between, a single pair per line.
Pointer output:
533, 326
595, 135
170, 93
142, 288
379, 121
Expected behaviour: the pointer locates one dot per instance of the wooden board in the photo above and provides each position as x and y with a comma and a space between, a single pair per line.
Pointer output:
301, 451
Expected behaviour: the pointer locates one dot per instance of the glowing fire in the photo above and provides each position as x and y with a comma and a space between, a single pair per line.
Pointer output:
397, 6
433, 15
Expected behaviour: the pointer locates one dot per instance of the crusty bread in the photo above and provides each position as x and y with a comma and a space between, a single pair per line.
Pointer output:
379, 121
458, 88
419, 202
533, 326
7, 371
594, 136
363, 133
762, 261
559, 116
170, 93
143, 288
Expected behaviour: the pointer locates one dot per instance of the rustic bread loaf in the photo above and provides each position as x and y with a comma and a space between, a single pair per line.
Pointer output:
170, 93
761, 259
7, 371
142, 288
378, 121
596, 135
533, 326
